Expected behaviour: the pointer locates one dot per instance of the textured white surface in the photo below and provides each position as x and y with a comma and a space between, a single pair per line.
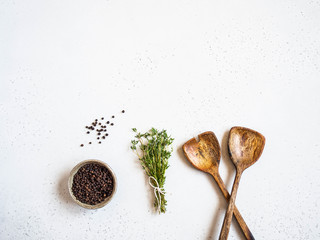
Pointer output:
186, 66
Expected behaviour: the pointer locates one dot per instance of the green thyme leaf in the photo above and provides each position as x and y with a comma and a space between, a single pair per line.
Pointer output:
154, 151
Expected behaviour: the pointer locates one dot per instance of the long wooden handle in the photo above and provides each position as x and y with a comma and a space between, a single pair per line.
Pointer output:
245, 229
228, 216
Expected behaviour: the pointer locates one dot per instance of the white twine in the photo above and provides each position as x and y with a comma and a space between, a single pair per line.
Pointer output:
155, 189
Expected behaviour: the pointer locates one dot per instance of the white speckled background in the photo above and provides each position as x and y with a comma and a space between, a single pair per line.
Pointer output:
186, 66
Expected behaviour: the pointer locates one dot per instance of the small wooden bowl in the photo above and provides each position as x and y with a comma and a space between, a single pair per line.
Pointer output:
75, 170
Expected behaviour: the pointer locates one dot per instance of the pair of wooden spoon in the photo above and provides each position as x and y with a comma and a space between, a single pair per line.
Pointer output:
245, 147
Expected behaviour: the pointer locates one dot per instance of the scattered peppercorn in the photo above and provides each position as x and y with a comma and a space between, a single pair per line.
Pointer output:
99, 127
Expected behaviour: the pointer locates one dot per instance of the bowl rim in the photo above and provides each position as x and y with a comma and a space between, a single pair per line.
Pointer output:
75, 170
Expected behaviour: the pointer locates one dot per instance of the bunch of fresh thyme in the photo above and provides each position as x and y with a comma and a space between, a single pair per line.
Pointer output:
154, 150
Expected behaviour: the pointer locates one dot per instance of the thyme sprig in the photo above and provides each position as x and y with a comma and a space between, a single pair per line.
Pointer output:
154, 149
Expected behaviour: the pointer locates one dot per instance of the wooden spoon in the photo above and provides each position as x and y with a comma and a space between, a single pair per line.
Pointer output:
245, 148
205, 155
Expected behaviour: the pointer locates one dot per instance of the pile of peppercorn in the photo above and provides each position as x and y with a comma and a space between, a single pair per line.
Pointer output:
92, 184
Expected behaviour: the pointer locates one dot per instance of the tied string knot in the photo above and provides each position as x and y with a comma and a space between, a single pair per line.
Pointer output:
156, 188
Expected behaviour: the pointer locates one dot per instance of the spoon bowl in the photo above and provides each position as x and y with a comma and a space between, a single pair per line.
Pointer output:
204, 154
245, 146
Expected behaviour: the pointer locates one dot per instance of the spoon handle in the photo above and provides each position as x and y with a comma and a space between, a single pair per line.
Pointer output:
244, 227
228, 216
